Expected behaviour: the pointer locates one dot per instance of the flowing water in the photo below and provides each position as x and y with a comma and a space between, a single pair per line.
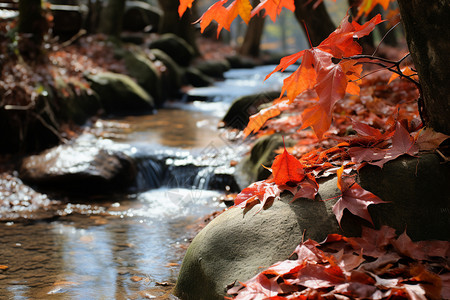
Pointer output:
130, 246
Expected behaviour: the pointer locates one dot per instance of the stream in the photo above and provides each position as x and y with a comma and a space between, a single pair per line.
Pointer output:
130, 246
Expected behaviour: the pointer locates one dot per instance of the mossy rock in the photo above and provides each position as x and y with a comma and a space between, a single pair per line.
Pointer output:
196, 78
240, 62
140, 67
139, 15
213, 68
177, 48
119, 94
77, 101
242, 108
236, 246
172, 76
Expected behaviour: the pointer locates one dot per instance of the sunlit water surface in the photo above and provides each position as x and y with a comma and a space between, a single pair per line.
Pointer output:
128, 246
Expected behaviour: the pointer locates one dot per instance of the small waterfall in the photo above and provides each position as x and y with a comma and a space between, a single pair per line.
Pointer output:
150, 174
183, 170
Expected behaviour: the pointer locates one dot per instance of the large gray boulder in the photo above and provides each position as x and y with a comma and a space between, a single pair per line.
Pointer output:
79, 167
119, 94
236, 246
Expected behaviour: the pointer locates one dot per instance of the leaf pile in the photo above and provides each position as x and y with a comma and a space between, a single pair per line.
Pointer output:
378, 265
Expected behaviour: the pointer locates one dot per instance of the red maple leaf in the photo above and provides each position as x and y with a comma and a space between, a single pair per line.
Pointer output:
320, 71
353, 198
287, 169
257, 192
402, 143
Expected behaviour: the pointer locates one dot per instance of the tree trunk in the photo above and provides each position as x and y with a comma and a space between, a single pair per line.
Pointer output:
111, 18
317, 21
172, 23
253, 35
31, 20
427, 28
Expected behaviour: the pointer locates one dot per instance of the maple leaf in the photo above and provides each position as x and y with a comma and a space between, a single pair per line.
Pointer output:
428, 139
257, 192
402, 143
214, 12
287, 169
258, 120
242, 8
308, 188
367, 6
406, 71
273, 7
353, 198
184, 4
319, 72
224, 16
317, 118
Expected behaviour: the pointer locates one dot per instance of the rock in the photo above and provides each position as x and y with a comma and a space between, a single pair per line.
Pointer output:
213, 68
140, 67
79, 167
140, 16
119, 94
177, 48
240, 62
77, 101
171, 75
196, 78
419, 193
236, 246
243, 107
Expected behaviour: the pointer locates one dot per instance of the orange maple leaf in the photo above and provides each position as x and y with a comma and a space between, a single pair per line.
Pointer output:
273, 7
318, 71
214, 12
184, 4
367, 6
407, 71
224, 16
259, 119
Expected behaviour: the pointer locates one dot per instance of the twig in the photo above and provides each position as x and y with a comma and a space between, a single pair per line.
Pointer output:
385, 35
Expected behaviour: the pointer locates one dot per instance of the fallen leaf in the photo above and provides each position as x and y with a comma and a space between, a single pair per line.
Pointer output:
429, 139
353, 198
287, 169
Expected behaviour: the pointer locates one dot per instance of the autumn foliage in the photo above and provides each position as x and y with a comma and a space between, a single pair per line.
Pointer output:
378, 265
326, 93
